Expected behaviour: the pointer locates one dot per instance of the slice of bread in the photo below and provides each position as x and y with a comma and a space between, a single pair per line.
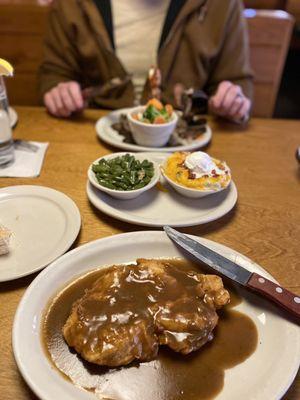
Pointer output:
4, 240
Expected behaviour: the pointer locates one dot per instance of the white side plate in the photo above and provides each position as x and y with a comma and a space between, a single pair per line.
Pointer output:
112, 137
265, 375
44, 223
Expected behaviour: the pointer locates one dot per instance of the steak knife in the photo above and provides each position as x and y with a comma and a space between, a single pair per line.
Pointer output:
222, 265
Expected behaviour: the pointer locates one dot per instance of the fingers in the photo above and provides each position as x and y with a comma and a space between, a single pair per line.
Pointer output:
49, 103
218, 98
243, 112
75, 92
178, 92
231, 95
45, 2
64, 99
236, 106
60, 110
230, 102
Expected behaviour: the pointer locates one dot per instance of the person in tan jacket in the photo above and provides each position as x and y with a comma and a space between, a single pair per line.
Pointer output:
195, 43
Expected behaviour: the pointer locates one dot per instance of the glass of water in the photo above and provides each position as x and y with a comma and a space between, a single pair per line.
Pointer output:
6, 140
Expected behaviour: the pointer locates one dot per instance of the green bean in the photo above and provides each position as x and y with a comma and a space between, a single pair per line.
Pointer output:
139, 186
116, 170
123, 186
149, 173
104, 175
127, 181
130, 162
133, 176
106, 184
146, 164
97, 168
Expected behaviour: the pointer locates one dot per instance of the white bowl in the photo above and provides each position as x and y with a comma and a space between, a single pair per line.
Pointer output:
151, 135
188, 192
123, 194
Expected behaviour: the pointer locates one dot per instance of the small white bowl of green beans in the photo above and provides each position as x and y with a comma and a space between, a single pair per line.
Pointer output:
124, 176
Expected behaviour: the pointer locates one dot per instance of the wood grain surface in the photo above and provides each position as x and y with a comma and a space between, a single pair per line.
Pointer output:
265, 224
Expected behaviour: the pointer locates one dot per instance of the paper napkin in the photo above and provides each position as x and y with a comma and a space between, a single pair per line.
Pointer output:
29, 157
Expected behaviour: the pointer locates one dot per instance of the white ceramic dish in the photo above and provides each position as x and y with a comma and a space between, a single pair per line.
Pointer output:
122, 194
44, 223
188, 192
265, 375
150, 135
13, 116
165, 207
106, 133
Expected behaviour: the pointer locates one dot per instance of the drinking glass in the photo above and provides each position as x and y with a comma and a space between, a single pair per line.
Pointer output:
6, 140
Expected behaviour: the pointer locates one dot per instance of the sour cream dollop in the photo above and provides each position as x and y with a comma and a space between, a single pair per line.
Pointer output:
201, 164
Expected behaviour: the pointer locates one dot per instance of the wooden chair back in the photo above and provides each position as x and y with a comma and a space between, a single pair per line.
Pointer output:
293, 7
22, 26
269, 34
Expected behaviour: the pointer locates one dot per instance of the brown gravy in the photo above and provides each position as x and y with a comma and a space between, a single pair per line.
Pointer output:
172, 376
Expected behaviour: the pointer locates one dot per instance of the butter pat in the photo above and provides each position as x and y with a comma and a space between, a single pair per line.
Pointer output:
4, 240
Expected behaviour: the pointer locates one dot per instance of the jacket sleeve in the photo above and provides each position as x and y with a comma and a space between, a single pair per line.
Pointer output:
233, 62
60, 60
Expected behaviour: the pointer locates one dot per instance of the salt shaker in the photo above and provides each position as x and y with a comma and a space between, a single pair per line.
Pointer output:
6, 140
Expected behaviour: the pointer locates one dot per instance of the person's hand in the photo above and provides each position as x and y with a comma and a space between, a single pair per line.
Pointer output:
45, 2
230, 102
64, 99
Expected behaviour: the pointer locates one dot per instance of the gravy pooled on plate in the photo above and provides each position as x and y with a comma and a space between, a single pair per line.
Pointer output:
171, 376
132, 309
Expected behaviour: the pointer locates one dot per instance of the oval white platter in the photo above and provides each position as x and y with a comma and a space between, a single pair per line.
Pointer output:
110, 136
266, 374
158, 207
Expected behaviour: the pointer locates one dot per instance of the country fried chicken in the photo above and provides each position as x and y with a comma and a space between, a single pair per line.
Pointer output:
132, 309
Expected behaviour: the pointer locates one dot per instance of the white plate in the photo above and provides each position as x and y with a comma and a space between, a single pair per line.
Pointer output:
44, 223
158, 208
13, 116
112, 137
265, 375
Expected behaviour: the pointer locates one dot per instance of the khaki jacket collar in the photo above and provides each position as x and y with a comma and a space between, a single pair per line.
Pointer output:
188, 8
96, 23
98, 26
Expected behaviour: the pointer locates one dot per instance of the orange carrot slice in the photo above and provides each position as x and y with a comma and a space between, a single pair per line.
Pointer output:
159, 120
155, 103
169, 109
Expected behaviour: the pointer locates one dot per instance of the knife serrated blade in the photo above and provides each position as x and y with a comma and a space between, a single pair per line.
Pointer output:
235, 272
209, 257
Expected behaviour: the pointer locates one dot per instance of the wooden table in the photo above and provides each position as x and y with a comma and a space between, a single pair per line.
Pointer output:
265, 224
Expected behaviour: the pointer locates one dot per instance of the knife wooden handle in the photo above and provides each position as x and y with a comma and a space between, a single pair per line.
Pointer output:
284, 298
